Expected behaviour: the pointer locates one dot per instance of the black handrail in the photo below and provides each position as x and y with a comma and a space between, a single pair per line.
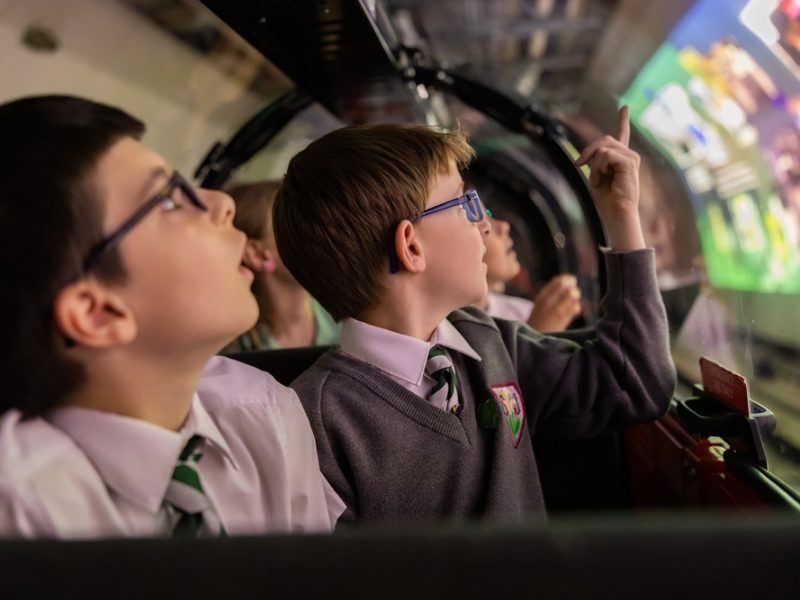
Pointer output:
223, 159
527, 120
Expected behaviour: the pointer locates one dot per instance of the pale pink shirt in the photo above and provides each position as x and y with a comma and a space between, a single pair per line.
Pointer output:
508, 307
401, 357
86, 473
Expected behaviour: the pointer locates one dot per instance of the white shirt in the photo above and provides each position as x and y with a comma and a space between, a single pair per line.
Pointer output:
86, 473
401, 357
508, 307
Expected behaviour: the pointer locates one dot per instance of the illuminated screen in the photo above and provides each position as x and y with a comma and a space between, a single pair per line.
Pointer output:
721, 99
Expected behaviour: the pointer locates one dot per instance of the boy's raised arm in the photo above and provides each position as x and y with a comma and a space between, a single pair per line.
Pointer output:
614, 181
621, 371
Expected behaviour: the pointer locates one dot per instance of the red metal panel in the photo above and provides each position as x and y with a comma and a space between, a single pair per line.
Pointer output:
669, 468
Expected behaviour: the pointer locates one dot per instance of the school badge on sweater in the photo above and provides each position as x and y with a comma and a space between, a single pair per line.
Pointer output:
509, 398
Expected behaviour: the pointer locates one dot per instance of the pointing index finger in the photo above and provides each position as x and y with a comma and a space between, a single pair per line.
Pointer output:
624, 126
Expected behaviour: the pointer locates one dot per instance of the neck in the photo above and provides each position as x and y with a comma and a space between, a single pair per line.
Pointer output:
404, 312
157, 391
288, 305
496, 287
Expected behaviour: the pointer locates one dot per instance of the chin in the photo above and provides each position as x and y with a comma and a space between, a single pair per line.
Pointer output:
245, 321
249, 309
251, 320
484, 291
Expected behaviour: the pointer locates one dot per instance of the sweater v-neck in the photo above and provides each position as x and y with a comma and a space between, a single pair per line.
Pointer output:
460, 428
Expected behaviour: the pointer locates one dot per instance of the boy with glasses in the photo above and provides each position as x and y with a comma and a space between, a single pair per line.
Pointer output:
427, 411
121, 281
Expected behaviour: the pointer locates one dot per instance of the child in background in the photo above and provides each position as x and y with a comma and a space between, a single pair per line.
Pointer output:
121, 282
556, 304
288, 316
427, 411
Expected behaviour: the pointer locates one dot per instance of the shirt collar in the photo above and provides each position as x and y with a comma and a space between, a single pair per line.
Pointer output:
399, 355
135, 458
448, 336
201, 423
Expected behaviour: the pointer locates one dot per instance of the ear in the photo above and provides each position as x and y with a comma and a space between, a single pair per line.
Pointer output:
409, 247
90, 314
255, 254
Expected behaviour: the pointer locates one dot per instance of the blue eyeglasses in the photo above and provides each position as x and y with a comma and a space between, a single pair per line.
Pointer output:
472, 205
470, 201
104, 246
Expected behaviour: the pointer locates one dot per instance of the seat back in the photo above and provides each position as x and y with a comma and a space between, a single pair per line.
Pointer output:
285, 365
584, 475
683, 556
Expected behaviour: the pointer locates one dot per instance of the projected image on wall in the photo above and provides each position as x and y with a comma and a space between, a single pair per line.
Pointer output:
721, 99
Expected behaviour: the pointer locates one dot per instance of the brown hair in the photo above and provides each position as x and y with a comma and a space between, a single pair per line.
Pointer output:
51, 216
254, 207
342, 198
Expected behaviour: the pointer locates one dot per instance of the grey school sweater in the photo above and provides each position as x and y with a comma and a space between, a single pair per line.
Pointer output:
392, 456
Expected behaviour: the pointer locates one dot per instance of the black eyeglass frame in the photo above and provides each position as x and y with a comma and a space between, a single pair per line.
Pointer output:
104, 246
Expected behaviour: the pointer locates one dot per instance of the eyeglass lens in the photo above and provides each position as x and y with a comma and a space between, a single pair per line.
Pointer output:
474, 208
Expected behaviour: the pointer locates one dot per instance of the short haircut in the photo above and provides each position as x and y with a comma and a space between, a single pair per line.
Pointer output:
254, 207
341, 201
51, 215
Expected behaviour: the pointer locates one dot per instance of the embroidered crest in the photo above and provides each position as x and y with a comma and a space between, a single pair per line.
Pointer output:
509, 398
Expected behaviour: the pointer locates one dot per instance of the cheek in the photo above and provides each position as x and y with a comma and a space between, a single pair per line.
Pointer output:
493, 250
181, 273
167, 286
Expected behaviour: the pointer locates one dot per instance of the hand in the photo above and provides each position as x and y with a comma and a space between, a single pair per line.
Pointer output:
614, 180
556, 304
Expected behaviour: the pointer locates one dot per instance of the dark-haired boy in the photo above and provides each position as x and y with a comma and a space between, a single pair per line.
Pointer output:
424, 412
120, 282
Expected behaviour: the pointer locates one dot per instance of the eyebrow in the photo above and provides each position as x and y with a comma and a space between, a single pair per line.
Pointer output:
155, 173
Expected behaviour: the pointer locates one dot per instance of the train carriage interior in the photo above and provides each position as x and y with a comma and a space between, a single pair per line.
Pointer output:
703, 501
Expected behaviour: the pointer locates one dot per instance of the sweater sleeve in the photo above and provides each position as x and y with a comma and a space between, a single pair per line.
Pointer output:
310, 390
579, 383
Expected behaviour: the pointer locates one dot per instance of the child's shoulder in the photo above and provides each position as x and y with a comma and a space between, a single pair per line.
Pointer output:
250, 405
476, 324
491, 336
336, 375
33, 453
33, 442
471, 315
332, 365
228, 383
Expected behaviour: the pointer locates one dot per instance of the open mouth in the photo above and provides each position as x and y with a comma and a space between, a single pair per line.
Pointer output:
244, 270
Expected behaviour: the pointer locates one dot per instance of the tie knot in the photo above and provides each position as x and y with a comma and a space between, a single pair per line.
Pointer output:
435, 350
185, 472
440, 368
437, 359
190, 452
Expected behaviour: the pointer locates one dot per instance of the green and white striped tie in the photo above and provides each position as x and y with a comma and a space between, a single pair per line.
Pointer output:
440, 368
193, 515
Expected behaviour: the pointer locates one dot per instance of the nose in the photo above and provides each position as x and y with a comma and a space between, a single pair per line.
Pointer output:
221, 206
485, 226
